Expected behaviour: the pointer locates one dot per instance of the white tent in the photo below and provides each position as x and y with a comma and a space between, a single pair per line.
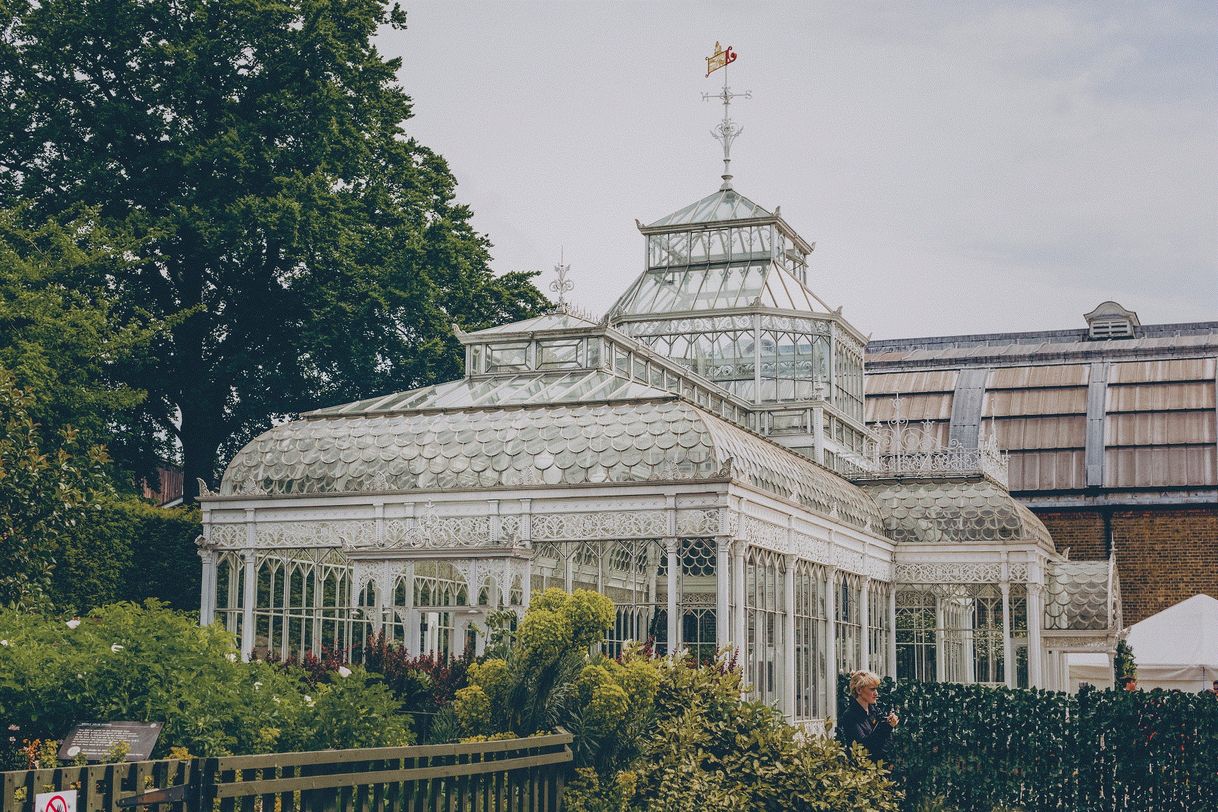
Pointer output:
1176, 648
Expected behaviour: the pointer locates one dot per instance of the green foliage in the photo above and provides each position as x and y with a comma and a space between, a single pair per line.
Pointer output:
685, 739
148, 663
298, 245
523, 692
1123, 663
47, 487
129, 550
979, 747
64, 337
650, 733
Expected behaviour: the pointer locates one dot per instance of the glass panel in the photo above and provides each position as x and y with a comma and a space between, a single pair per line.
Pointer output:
505, 357
712, 282
667, 284
558, 354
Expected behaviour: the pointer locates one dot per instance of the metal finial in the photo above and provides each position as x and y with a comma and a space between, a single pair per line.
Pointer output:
562, 285
726, 131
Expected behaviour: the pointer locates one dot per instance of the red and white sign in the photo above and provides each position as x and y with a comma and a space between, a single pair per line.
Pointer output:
62, 801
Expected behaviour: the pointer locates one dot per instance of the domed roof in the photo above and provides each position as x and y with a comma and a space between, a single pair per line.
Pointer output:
960, 511
575, 444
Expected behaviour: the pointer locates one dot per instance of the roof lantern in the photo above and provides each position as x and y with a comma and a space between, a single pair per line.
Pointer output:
1110, 320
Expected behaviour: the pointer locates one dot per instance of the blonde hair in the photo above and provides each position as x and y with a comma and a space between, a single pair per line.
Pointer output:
863, 679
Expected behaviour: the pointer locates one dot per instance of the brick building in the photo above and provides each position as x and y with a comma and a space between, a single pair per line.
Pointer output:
1111, 430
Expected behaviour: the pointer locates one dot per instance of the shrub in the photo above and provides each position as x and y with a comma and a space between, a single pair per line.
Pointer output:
689, 741
130, 550
525, 691
147, 663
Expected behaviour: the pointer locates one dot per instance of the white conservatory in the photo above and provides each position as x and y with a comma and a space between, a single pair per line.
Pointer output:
699, 455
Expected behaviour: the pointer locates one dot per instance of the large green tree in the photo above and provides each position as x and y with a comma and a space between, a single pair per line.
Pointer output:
302, 248
64, 338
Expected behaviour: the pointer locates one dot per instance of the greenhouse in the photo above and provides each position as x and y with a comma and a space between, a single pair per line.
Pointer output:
699, 455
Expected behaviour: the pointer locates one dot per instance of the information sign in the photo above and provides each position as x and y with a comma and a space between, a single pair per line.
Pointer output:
94, 740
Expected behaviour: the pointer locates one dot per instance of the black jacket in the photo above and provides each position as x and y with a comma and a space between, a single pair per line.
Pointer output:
872, 731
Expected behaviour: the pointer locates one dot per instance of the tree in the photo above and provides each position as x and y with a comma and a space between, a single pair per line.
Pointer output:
63, 337
302, 248
45, 490
1123, 663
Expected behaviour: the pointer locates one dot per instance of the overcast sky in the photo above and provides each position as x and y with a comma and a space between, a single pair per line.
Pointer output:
961, 167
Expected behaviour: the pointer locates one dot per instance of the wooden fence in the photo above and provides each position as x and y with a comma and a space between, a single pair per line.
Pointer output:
513, 775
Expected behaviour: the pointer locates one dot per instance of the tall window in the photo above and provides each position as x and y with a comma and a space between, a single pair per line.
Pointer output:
635, 578
988, 665
849, 621
764, 595
955, 637
438, 590
1019, 633
879, 628
916, 652
696, 597
810, 630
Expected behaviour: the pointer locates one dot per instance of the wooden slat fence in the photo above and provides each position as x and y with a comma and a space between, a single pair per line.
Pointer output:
513, 775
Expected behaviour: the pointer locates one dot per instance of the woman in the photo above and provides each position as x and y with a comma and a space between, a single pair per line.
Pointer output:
859, 723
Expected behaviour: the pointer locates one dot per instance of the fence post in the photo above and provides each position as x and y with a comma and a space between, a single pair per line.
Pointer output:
202, 793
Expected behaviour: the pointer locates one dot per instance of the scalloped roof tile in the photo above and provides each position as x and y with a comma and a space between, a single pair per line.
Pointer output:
546, 445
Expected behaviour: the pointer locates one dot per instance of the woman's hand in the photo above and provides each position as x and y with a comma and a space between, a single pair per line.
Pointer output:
892, 719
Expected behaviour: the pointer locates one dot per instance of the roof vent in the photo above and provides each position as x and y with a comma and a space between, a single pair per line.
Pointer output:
1110, 320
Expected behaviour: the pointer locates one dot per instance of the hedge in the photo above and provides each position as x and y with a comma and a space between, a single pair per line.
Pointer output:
981, 748
130, 550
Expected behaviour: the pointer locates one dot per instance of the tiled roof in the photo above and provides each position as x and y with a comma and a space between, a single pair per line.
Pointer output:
955, 511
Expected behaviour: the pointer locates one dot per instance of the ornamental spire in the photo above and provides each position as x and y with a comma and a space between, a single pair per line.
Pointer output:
562, 285
726, 131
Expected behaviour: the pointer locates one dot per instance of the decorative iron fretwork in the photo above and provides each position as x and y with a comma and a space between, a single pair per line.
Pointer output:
939, 572
900, 449
606, 525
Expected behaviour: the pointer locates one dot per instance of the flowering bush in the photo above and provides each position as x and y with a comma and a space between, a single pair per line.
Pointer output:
147, 663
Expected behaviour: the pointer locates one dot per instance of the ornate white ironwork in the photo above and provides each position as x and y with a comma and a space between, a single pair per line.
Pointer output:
562, 285
700, 522
904, 450
502, 571
776, 537
726, 131
607, 525
432, 531
274, 535
946, 572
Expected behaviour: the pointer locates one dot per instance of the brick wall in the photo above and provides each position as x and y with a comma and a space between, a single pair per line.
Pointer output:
1164, 555
1081, 531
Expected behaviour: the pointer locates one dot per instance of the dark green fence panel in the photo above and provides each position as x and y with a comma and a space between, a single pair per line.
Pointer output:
512, 775
983, 748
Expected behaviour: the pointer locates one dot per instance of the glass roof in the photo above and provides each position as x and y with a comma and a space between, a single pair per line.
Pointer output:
1077, 595
955, 511
725, 204
547, 445
515, 390
680, 290
548, 321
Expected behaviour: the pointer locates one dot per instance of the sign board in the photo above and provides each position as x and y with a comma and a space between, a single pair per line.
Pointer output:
94, 741
63, 800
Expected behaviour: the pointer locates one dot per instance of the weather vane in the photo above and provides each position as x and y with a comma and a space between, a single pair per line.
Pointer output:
727, 130
562, 285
